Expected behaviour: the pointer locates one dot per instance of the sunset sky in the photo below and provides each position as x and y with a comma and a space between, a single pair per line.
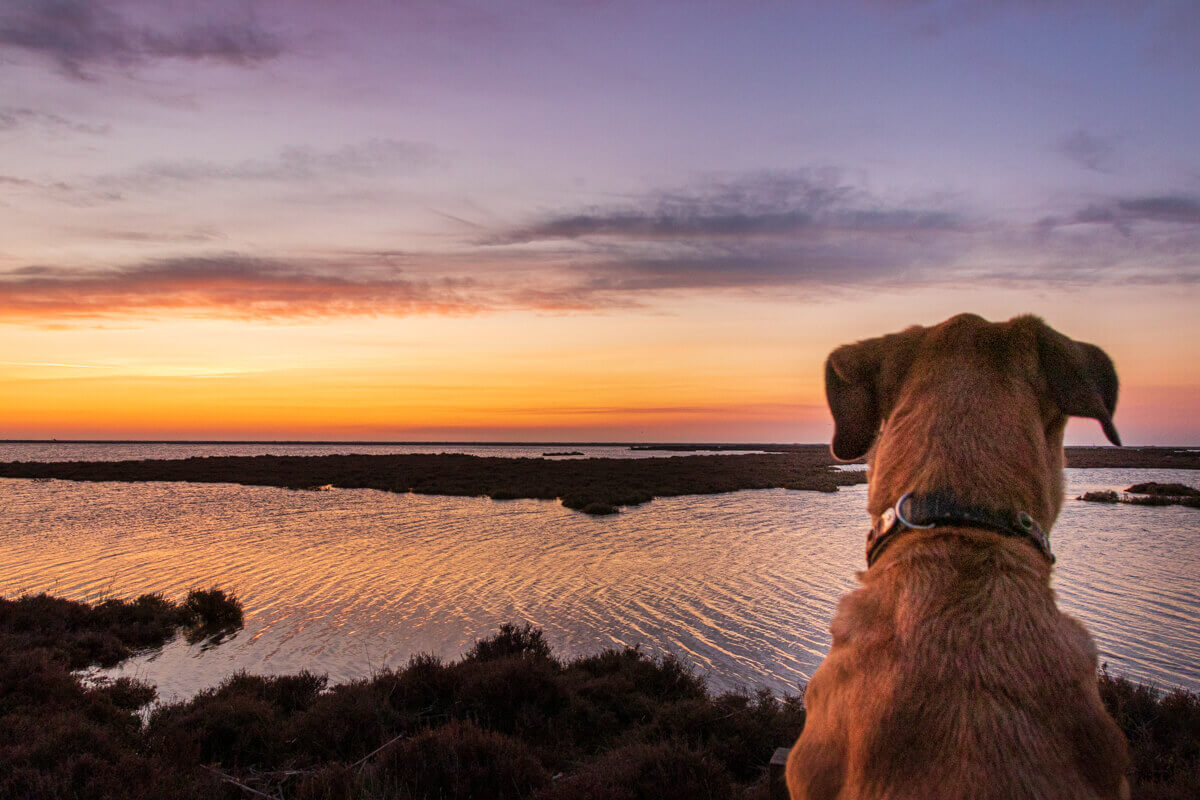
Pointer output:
600, 221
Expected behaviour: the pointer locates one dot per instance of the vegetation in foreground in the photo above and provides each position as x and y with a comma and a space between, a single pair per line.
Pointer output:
508, 720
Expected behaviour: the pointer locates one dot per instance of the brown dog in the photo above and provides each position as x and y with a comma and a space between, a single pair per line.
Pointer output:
952, 674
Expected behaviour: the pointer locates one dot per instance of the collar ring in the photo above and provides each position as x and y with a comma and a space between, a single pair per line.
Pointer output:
903, 521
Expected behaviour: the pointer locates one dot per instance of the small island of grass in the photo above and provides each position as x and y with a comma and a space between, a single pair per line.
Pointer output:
597, 486
1148, 494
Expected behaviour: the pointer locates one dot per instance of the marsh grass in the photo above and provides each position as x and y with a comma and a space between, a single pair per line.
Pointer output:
1163, 730
598, 486
507, 720
1149, 494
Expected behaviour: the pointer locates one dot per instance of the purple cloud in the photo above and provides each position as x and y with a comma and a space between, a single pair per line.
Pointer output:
228, 285
1180, 209
769, 204
1124, 213
80, 35
234, 285
768, 235
800, 232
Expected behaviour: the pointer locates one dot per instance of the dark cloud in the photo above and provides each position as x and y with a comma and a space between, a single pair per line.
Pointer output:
765, 266
1124, 214
227, 285
1088, 150
1162, 208
1151, 239
238, 286
644, 225
802, 205
12, 118
838, 238
80, 35
807, 234
793, 230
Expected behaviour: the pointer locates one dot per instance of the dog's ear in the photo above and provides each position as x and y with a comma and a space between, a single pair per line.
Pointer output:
860, 384
1081, 379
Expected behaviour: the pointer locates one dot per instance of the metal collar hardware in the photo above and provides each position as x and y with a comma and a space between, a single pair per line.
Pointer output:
937, 509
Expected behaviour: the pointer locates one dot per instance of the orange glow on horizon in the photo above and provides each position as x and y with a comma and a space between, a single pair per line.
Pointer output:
700, 369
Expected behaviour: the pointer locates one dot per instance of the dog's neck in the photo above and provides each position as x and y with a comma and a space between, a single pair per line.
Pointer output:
993, 454
929, 512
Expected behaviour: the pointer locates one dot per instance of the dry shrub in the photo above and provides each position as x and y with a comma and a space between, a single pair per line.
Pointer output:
663, 771
1164, 737
218, 727
83, 635
212, 610
426, 686
511, 640
497, 723
455, 760
662, 679
346, 723
737, 729
514, 694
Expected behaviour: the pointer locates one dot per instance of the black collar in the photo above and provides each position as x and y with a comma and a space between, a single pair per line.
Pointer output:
924, 511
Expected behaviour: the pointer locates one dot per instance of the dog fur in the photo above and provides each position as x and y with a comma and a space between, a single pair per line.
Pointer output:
952, 674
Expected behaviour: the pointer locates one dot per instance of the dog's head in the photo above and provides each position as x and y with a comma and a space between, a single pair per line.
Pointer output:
968, 405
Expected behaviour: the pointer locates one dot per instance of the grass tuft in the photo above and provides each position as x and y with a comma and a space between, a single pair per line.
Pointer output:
212, 610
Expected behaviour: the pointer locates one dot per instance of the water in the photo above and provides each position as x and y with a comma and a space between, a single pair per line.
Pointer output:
121, 451
742, 586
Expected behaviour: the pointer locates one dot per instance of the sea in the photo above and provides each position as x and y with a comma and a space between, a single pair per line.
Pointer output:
740, 586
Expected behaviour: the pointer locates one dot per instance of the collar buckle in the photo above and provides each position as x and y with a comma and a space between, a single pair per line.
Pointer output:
926, 511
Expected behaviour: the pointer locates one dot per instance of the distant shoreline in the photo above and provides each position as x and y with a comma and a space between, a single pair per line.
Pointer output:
432, 442
770, 447
592, 485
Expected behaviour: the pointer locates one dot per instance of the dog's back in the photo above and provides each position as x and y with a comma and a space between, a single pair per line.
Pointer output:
951, 673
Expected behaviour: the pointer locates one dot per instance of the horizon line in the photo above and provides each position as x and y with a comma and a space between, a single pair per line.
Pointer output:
516, 443
401, 441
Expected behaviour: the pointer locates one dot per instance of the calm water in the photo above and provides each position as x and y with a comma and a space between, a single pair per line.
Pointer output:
742, 585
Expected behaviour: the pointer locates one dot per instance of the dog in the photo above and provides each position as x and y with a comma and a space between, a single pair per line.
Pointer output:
952, 674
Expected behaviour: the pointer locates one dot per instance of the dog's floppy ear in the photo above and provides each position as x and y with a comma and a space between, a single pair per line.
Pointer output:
860, 380
1081, 378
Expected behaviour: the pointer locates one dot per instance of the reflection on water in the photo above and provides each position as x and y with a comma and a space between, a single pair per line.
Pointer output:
740, 585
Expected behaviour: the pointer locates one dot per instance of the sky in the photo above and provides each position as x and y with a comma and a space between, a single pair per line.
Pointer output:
576, 221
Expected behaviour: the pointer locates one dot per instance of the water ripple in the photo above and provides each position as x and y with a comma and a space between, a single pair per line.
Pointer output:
741, 586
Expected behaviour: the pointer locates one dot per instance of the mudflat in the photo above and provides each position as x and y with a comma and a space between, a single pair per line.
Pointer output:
591, 485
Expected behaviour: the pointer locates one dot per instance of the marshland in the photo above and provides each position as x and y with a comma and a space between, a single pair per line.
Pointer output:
658, 649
